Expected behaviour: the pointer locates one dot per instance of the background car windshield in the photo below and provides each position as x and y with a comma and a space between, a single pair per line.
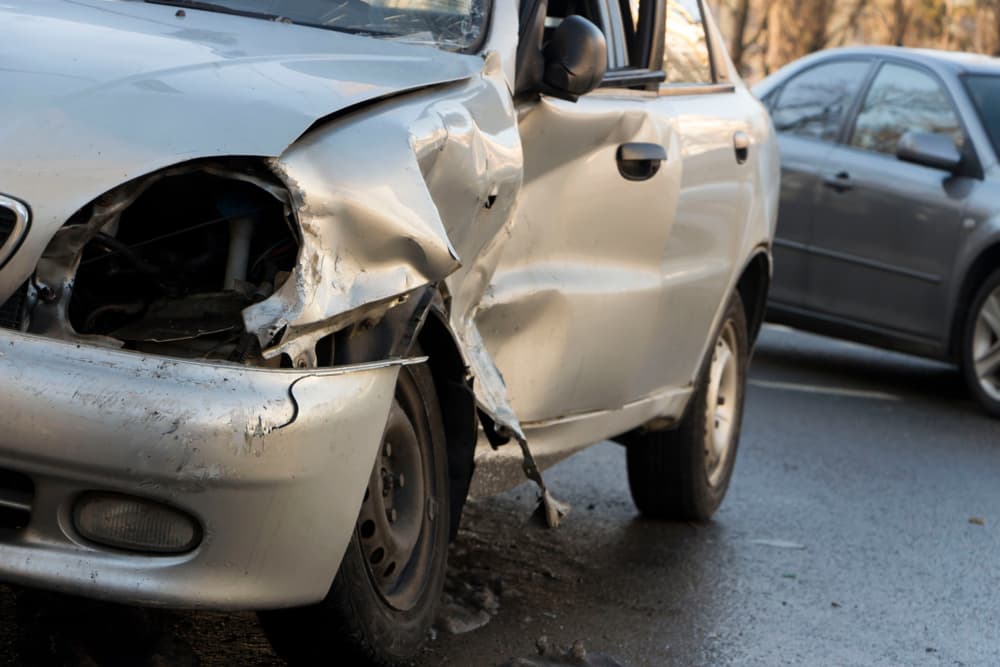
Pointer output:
448, 24
985, 92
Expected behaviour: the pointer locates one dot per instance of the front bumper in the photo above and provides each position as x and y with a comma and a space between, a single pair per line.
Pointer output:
272, 463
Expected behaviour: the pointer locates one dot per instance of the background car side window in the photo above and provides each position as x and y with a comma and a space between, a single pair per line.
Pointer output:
686, 56
814, 103
904, 99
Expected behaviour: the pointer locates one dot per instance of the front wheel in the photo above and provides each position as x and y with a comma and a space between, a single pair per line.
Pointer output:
684, 473
384, 598
981, 346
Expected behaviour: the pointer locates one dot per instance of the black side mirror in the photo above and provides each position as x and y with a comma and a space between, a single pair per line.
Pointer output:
576, 59
937, 151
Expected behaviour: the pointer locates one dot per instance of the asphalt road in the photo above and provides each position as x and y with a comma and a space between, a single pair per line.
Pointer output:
862, 528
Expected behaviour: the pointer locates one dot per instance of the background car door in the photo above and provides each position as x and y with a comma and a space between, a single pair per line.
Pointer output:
808, 113
886, 231
570, 317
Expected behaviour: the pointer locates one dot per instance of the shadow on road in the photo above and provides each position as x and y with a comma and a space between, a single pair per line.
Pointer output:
799, 357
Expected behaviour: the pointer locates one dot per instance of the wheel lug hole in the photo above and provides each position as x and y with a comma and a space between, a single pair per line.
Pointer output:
392, 515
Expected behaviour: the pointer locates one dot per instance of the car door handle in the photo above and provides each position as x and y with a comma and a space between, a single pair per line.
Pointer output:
741, 144
639, 161
839, 182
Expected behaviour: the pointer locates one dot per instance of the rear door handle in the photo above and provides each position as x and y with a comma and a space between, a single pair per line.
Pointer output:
639, 161
839, 182
741, 144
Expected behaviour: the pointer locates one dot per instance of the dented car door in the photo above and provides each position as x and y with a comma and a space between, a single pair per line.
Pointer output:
574, 309
570, 318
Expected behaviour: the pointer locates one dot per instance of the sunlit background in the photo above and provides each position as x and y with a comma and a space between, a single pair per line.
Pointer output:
763, 35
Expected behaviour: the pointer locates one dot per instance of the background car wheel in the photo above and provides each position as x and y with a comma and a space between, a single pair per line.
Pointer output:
981, 346
684, 473
385, 595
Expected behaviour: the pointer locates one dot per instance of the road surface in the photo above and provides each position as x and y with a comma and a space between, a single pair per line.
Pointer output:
862, 527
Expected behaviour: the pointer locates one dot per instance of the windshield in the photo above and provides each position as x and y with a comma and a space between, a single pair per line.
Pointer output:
449, 24
984, 90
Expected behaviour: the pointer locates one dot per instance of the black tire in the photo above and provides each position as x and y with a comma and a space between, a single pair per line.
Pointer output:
976, 338
379, 612
668, 471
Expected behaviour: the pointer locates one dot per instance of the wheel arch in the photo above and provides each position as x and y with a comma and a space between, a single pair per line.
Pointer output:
985, 263
753, 286
458, 407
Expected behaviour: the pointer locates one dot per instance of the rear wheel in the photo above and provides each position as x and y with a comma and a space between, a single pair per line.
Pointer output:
981, 346
684, 473
385, 595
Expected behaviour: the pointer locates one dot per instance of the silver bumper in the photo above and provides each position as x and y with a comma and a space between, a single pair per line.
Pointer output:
272, 463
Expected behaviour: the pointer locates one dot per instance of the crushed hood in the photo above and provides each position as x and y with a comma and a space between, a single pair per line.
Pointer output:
107, 90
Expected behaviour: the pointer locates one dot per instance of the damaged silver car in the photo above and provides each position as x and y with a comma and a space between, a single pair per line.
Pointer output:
277, 274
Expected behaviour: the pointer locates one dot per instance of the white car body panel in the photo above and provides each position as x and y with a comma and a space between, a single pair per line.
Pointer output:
407, 171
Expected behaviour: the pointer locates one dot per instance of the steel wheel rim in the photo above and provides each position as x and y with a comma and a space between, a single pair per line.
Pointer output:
396, 541
986, 345
721, 404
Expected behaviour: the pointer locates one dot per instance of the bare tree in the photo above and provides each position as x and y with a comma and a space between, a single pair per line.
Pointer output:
764, 35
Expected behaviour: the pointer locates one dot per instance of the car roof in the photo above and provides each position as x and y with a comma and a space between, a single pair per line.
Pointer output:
955, 62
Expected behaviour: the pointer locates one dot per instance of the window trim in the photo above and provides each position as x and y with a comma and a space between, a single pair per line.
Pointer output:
631, 75
676, 89
713, 66
717, 84
644, 44
851, 110
615, 25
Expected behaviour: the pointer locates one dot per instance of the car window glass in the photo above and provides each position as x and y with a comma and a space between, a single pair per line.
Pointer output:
685, 53
904, 99
985, 92
447, 24
814, 103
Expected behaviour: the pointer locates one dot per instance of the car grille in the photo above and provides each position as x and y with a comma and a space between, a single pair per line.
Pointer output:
17, 494
12, 311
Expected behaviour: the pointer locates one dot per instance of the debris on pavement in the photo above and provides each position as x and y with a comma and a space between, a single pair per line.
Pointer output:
575, 655
779, 544
978, 521
468, 602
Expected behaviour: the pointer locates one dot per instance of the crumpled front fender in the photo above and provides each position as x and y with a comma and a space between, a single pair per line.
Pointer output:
403, 195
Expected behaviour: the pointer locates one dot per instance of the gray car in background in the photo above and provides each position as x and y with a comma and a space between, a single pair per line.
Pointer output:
889, 222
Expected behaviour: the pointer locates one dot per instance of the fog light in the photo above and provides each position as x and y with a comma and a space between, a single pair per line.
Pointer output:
134, 524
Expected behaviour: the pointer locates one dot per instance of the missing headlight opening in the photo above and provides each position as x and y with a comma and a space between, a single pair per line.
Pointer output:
167, 264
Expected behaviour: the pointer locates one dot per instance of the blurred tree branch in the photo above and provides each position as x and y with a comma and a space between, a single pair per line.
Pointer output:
764, 35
